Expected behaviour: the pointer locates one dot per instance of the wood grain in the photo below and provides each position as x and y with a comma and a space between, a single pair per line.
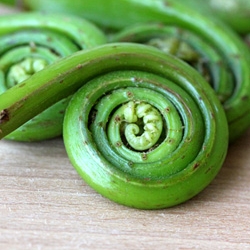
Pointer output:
44, 204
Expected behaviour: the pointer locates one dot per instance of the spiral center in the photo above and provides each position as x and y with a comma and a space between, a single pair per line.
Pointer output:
24, 69
175, 47
143, 124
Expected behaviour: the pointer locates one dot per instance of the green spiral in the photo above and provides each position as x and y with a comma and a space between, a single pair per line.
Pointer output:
187, 46
29, 42
144, 129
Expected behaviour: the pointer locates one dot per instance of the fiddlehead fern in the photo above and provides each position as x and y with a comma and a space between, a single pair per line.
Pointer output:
28, 43
188, 47
177, 112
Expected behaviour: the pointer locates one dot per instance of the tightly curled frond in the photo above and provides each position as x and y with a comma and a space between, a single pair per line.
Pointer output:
147, 132
188, 47
28, 43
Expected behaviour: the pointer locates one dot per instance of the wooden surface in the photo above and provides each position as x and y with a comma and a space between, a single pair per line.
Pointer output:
44, 204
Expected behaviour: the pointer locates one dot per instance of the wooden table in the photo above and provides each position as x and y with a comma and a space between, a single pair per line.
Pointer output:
44, 204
